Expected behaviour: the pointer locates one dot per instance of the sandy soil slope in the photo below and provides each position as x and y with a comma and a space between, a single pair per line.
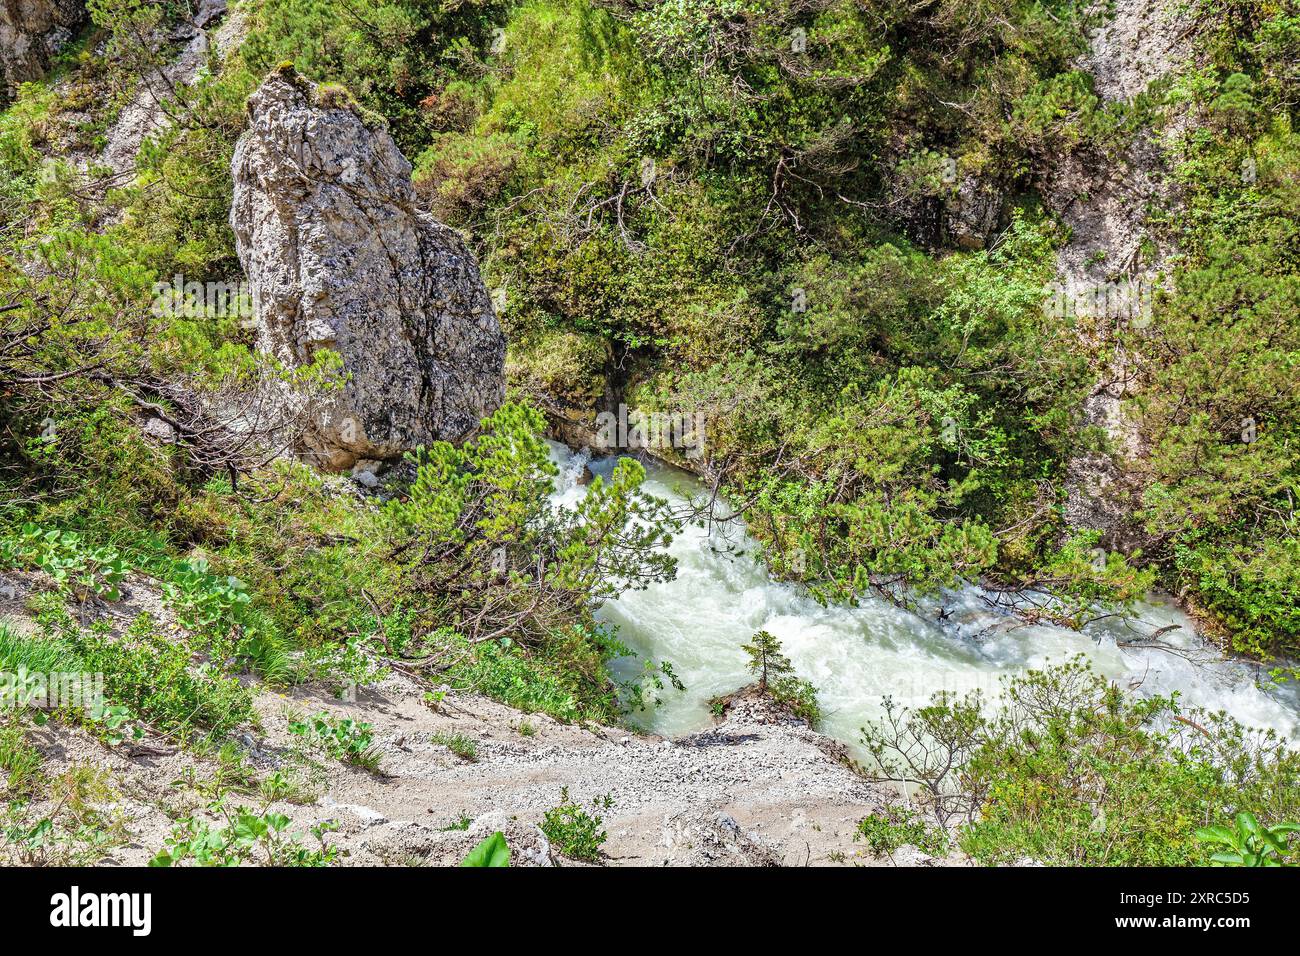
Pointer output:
758, 788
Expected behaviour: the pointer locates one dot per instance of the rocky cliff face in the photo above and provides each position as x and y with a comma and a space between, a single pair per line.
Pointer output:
339, 257
211, 29
1109, 269
31, 33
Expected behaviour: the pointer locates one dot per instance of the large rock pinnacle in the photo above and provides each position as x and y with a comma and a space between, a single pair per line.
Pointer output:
340, 258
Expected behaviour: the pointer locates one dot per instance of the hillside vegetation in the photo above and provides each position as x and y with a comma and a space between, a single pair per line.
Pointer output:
755, 210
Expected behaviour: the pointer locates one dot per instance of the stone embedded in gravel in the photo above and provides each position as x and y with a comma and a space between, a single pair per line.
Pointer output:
908, 855
366, 815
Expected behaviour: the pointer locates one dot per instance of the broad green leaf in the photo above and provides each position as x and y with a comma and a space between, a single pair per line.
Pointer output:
1246, 823
1228, 859
491, 852
1217, 834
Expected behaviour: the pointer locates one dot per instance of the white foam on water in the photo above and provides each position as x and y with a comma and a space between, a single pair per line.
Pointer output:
857, 655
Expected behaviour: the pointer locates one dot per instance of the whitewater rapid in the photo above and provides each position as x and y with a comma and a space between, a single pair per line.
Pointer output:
855, 656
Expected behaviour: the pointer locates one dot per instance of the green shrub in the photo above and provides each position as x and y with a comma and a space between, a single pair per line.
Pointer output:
1248, 843
243, 836
158, 680
19, 760
573, 831
883, 833
1071, 770
341, 737
462, 746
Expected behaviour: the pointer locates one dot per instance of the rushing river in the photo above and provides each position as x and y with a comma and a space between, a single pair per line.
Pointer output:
856, 656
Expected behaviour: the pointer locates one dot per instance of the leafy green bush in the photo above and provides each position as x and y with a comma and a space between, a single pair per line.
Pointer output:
75, 567
1217, 403
517, 578
573, 831
244, 836
408, 49
886, 832
341, 737
1071, 770
1249, 843
158, 680
22, 130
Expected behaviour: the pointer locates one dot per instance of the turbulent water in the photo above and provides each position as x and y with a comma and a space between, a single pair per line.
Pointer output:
856, 656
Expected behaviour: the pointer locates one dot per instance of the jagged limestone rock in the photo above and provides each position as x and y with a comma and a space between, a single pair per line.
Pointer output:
1113, 259
973, 213
208, 32
340, 258
947, 207
31, 33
